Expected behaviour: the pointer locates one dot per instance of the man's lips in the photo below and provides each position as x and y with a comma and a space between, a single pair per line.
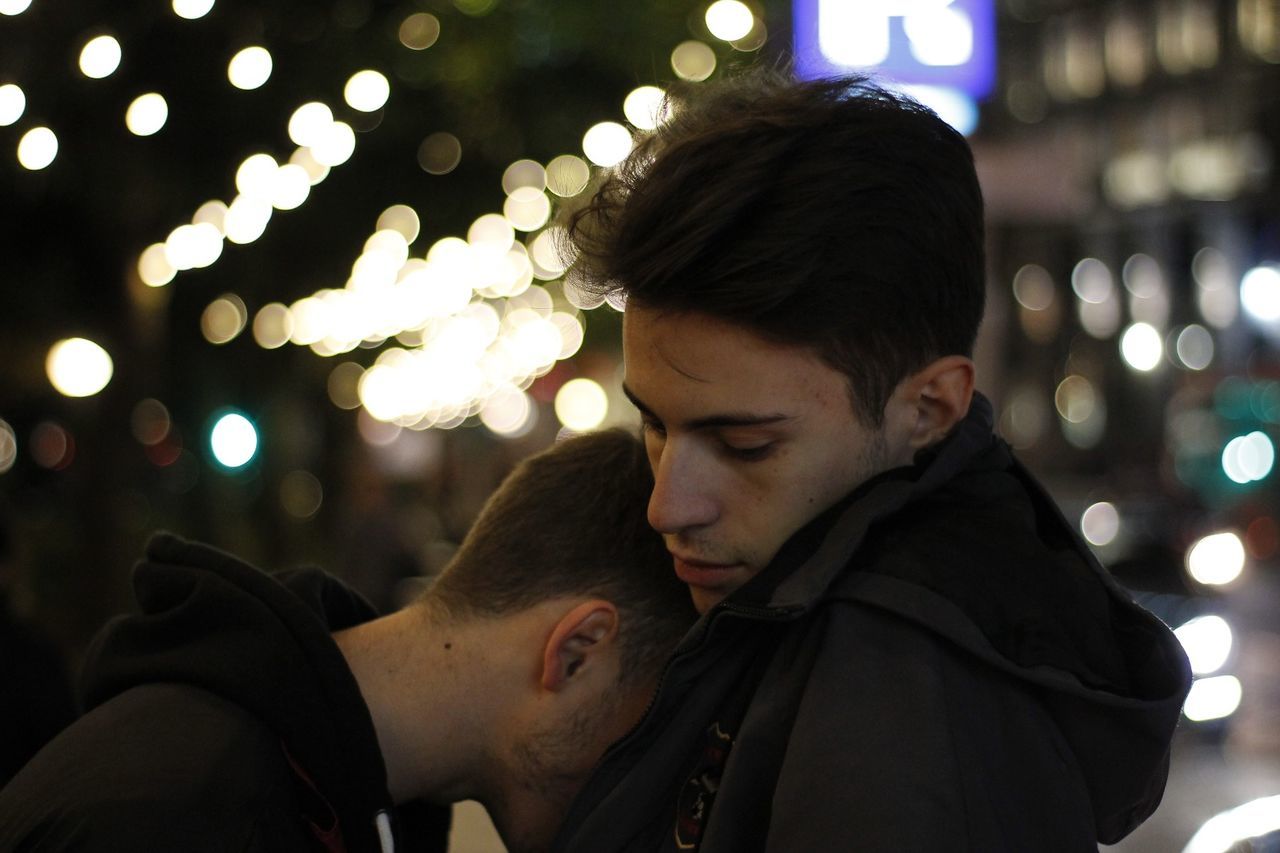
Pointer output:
701, 572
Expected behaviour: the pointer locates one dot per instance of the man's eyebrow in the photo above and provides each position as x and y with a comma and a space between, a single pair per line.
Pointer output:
716, 421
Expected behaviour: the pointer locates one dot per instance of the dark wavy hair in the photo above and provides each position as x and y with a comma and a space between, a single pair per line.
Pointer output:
831, 214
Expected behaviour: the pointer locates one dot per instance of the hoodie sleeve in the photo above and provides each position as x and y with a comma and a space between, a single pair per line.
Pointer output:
904, 743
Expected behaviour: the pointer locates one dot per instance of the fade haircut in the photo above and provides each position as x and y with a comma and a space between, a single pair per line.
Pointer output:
830, 214
570, 521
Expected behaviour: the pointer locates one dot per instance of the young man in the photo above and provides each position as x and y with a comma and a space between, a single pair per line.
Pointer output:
903, 646
226, 716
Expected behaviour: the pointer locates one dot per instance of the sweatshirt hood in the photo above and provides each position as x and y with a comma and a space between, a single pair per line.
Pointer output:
968, 545
209, 620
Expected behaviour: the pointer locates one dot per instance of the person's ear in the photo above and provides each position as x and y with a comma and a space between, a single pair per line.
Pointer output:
578, 641
940, 395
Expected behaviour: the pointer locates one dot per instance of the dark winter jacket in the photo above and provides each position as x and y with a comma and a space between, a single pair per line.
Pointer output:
222, 717
936, 664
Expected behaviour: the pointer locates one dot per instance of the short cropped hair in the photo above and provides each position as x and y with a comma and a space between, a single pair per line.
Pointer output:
831, 214
570, 521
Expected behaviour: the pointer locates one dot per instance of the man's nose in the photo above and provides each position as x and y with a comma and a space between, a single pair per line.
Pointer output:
683, 492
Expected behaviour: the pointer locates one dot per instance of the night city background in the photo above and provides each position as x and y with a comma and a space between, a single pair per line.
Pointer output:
283, 277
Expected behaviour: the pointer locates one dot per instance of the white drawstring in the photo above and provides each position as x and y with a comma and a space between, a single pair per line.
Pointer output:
382, 821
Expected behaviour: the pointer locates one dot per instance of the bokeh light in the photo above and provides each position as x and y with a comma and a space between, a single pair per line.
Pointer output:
527, 208
37, 148
568, 175
250, 68
309, 123
1207, 642
729, 20
344, 385
1216, 559
419, 31
1100, 523
693, 60
1260, 293
1194, 347
233, 440
400, 218
1248, 458
1141, 347
147, 114
52, 446
440, 153
646, 107
150, 421
524, 173
78, 367
336, 146
272, 326
224, 319
581, 404
367, 90
1213, 698
192, 9
1225, 832
607, 143
154, 268
14, 7
8, 447
100, 57
508, 412
1216, 292
13, 102
301, 494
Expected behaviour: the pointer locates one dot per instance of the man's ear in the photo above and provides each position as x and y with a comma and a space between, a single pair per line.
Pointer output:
577, 642
940, 395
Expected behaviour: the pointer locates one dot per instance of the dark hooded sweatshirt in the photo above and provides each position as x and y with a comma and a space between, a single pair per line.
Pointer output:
221, 717
938, 663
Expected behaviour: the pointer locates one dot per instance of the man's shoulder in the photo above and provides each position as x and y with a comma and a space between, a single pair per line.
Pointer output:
160, 766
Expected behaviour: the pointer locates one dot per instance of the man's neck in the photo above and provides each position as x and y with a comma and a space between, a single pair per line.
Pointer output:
416, 673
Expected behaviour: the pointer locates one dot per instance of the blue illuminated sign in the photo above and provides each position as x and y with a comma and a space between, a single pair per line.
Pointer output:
941, 43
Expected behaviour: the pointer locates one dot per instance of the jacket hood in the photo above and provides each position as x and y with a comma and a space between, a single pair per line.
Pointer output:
209, 620
967, 544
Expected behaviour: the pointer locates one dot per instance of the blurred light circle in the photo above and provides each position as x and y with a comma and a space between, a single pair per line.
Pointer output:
100, 57
1194, 347
13, 102
571, 334
344, 385
52, 446
247, 219
337, 146
1207, 642
1142, 276
192, 9
527, 208
1216, 559
508, 412
14, 7
1212, 698
193, 246
1260, 293
1076, 399
233, 440
37, 148
255, 177
1033, 287
1254, 820
581, 404
309, 123
213, 212
607, 143
491, 231
419, 31
524, 173
1100, 524
316, 170
401, 218
224, 319
8, 447
1248, 458
150, 421
439, 153
729, 20
290, 187
301, 494
545, 252
366, 90
645, 107
272, 326
78, 367
1100, 319
568, 175
1141, 347
154, 268
693, 60
1092, 281
250, 68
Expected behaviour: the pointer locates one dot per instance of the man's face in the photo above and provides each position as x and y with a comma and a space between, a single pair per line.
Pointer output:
748, 440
